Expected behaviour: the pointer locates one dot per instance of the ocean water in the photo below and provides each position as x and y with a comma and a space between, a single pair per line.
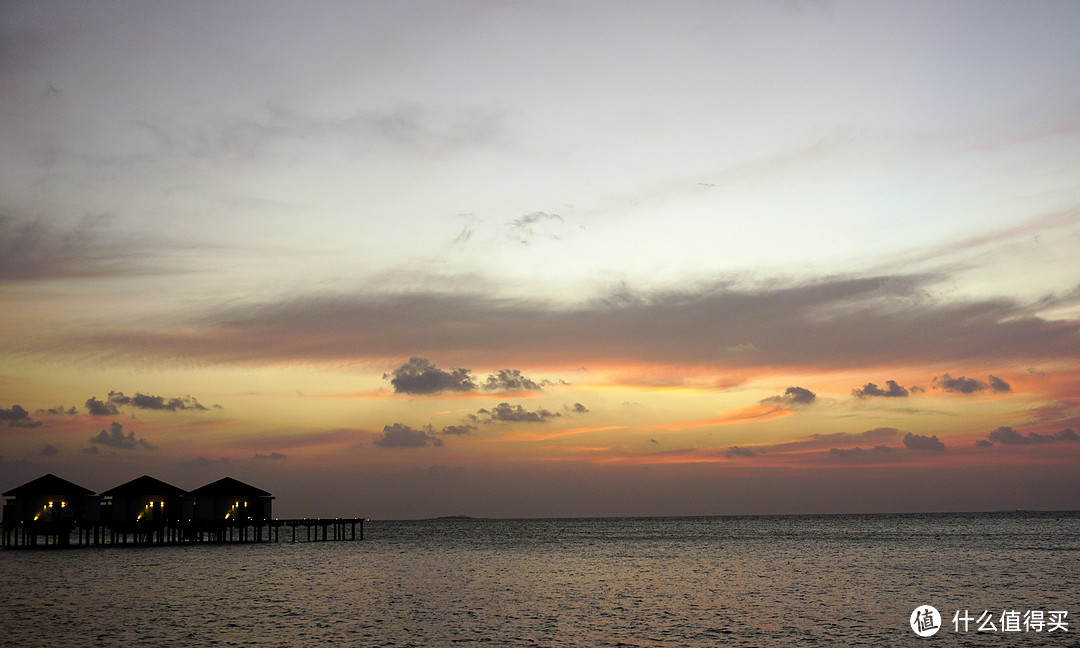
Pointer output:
697, 582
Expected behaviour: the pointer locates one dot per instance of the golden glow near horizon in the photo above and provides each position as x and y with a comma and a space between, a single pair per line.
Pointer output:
743, 257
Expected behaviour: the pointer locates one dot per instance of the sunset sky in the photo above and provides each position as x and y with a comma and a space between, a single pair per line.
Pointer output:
409, 259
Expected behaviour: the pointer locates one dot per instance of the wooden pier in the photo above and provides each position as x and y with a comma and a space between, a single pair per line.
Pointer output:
71, 533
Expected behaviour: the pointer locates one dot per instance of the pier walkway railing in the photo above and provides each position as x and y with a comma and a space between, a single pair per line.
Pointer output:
72, 533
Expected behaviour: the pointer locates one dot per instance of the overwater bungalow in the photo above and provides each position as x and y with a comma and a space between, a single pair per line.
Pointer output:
232, 500
50, 511
47, 506
144, 499
149, 508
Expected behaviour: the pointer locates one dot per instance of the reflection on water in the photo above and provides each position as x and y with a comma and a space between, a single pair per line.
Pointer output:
744, 581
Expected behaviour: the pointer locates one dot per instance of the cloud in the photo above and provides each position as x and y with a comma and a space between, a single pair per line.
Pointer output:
403, 436
203, 462
876, 436
276, 456
146, 401
16, 413
858, 453
458, 430
510, 380
791, 396
892, 390
49, 451
507, 413
25, 423
421, 376
101, 408
33, 250
245, 137
17, 416
536, 224
829, 323
115, 438
576, 408
964, 385
735, 452
922, 442
1006, 435
60, 409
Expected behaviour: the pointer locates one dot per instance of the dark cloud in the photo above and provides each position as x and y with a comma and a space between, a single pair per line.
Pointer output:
983, 443
1008, 436
16, 413
831, 323
962, 385
101, 408
421, 376
146, 401
792, 396
25, 423
892, 390
922, 442
276, 456
510, 380
735, 452
507, 413
115, 438
60, 409
1067, 435
965, 385
17, 416
49, 451
403, 436
458, 430
576, 408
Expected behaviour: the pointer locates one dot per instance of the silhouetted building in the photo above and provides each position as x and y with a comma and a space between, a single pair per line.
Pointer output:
232, 500
146, 499
53, 512
49, 499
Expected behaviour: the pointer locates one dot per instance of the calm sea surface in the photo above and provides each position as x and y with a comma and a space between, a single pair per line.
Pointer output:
724, 581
